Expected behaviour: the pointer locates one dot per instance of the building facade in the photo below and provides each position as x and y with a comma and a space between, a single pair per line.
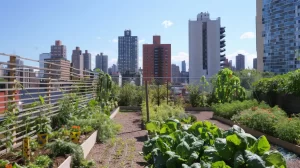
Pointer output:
77, 61
157, 61
102, 62
279, 38
58, 50
128, 58
59, 69
175, 74
87, 64
240, 62
183, 66
254, 63
206, 47
42, 57
259, 37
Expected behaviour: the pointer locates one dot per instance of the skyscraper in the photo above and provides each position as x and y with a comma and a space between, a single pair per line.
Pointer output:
114, 68
278, 35
240, 62
175, 73
128, 58
43, 56
87, 60
58, 50
157, 61
102, 62
206, 44
77, 61
183, 66
254, 63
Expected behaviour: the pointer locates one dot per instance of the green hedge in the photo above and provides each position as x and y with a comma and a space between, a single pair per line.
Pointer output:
285, 84
227, 110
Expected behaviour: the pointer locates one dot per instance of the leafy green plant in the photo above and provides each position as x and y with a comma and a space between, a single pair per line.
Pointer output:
227, 110
198, 94
203, 144
227, 87
42, 161
131, 95
33, 144
288, 129
61, 148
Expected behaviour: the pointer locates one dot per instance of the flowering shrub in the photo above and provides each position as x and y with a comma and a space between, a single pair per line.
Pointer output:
262, 119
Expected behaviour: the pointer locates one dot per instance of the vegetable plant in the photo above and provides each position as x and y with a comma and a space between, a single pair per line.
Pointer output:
203, 144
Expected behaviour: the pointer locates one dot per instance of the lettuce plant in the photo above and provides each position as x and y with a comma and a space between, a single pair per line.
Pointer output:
203, 144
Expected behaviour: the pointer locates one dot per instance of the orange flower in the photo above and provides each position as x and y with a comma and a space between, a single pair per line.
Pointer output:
290, 119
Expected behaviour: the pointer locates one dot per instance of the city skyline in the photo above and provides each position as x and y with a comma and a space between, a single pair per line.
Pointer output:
96, 38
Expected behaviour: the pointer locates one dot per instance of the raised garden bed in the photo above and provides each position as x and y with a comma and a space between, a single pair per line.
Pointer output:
276, 141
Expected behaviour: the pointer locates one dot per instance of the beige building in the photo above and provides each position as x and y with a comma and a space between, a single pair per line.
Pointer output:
59, 70
77, 61
259, 37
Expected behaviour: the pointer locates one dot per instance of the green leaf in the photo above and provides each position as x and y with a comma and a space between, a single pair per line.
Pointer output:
239, 160
261, 146
274, 158
210, 154
164, 147
254, 160
195, 165
193, 158
197, 146
219, 164
153, 126
236, 141
189, 138
177, 136
223, 149
183, 150
194, 128
175, 161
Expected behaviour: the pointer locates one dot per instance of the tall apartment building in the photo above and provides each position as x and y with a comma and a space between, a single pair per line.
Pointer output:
42, 57
157, 61
102, 62
206, 45
128, 58
58, 67
183, 66
1, 70
240, 62
58, 50
87, 60
114, 68
278, 38
254, 63
77, 61
175, 74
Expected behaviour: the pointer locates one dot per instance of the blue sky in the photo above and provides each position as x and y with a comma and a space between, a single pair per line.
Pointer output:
28, 29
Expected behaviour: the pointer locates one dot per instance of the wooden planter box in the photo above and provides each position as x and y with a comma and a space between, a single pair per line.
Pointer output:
276, 141
130, 108
197, 109
88, 144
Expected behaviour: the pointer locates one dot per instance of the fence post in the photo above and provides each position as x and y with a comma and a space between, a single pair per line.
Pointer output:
147, 103
12, 89
167, 92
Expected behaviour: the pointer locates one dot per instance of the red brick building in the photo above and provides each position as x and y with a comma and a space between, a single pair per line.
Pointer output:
157, 61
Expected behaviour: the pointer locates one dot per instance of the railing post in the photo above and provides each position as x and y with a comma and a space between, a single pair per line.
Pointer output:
167, 92
12, 90
147, 103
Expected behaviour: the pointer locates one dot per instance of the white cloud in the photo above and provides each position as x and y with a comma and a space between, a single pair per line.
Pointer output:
112, 61
248, 35
142, 41
181, 56
115, 40
248, 57
99, 38
167, 23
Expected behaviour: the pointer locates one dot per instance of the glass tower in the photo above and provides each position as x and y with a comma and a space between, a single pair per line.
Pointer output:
281, 34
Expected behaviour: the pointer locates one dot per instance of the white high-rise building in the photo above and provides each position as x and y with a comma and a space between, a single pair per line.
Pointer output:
206, 44
43, 56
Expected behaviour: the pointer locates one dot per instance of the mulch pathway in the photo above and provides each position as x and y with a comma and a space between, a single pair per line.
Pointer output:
124, 150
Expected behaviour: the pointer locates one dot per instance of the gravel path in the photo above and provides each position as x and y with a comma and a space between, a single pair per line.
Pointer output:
292, 160
124, 150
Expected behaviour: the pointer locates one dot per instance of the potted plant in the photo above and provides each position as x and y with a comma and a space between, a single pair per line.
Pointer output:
43, 129
75, 134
